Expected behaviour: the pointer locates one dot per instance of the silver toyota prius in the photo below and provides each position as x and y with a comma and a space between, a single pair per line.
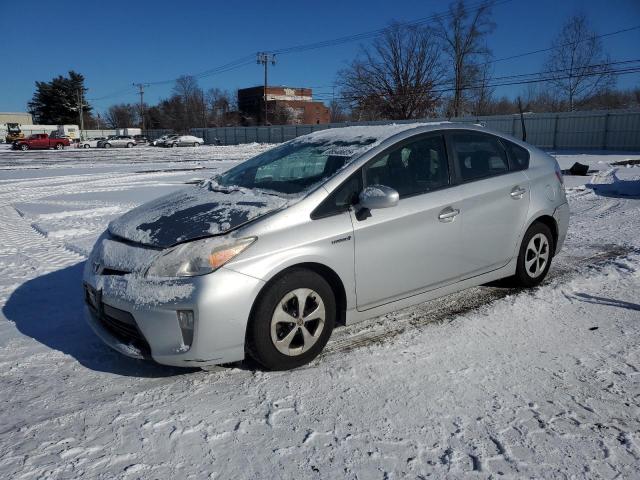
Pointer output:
327, 229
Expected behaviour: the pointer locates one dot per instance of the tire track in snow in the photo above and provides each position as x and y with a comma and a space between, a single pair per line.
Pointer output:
39, 254
383, 328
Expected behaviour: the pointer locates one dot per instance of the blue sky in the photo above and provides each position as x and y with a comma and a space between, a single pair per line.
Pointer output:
117, 43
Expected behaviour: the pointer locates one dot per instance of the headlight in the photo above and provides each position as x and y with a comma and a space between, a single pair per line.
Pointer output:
198, 257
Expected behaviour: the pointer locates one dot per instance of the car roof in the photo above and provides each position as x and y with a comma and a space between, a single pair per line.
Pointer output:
374, 135
367, 133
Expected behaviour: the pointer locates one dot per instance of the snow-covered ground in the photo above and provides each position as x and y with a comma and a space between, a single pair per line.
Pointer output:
487, 382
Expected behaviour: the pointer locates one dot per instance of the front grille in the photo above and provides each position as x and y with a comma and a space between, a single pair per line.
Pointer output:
118, 323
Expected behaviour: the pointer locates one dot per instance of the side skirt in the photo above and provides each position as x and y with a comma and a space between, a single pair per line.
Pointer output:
354, 316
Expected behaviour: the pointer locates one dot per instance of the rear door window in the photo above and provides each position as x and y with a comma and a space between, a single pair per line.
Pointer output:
518, 156
478, 155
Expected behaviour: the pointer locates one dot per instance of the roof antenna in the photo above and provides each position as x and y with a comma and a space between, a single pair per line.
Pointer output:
524, 129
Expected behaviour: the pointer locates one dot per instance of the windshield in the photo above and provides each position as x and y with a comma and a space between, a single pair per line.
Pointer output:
293, 167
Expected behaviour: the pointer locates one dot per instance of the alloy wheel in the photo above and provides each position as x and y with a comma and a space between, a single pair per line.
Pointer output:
298, 321
536, 255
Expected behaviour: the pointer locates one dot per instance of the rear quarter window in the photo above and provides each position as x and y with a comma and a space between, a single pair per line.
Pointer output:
518, 156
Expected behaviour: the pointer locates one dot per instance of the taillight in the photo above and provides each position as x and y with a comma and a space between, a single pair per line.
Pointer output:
559, 175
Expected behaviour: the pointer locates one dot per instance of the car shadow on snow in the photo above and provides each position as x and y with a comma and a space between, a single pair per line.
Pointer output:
50, 309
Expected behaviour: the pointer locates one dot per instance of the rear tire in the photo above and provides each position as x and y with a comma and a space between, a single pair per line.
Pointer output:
129, 145
85, 146
107, 145
281, 335
24, 147
534, 258
196, 144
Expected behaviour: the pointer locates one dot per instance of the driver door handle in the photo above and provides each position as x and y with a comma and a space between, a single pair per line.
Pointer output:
448, 214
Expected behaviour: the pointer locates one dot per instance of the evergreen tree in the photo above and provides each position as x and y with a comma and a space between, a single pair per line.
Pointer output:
56, 102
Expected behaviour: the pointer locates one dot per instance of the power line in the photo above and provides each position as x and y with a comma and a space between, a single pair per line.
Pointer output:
248, 59
532, 74
374, 33
568, 44
585, 73
532, 52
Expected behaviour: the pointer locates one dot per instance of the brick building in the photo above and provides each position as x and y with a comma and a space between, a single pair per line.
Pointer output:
284, 106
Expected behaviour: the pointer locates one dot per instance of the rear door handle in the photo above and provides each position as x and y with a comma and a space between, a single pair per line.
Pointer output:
518, 192
448, 214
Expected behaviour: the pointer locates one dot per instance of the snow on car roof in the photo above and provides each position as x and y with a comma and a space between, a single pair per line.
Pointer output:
363, 134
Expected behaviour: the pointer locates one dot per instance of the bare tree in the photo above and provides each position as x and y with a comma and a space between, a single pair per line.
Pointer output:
219, 103
336, 111
122, 115
463, 34
395, 78
481, 95
579, 64
193, 112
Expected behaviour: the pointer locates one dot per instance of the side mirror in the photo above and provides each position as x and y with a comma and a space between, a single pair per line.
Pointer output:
375, 196
378, 196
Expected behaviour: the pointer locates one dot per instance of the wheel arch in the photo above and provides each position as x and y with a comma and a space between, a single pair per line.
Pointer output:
329, 274
551, 223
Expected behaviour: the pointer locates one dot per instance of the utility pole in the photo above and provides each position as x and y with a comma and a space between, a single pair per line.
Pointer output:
265, 58
80, 107
141, 93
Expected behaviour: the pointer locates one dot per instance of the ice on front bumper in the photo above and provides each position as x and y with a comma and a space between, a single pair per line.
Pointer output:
130, 285
112, 254
134, 288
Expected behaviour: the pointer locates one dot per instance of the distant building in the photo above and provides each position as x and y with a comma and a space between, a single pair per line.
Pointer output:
285, 105
16, 117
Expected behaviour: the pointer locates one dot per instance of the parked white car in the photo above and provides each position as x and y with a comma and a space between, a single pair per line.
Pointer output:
183, 141
91, 142
159, 142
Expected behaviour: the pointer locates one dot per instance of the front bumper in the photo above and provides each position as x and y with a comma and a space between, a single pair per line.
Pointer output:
221, 303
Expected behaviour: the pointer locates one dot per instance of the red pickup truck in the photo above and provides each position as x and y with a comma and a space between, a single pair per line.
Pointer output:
40, 141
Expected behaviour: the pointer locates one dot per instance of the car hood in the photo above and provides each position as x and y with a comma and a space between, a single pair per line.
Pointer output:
195, 212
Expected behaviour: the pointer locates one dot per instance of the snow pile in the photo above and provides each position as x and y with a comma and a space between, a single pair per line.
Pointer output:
609, 183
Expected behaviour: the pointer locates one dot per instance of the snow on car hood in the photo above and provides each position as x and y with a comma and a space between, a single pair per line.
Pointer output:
194, 212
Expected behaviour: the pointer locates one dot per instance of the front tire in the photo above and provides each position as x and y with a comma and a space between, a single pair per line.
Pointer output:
24, 147
129, 145
107, 145
86, 146
292, 320
59, 146
534, 259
